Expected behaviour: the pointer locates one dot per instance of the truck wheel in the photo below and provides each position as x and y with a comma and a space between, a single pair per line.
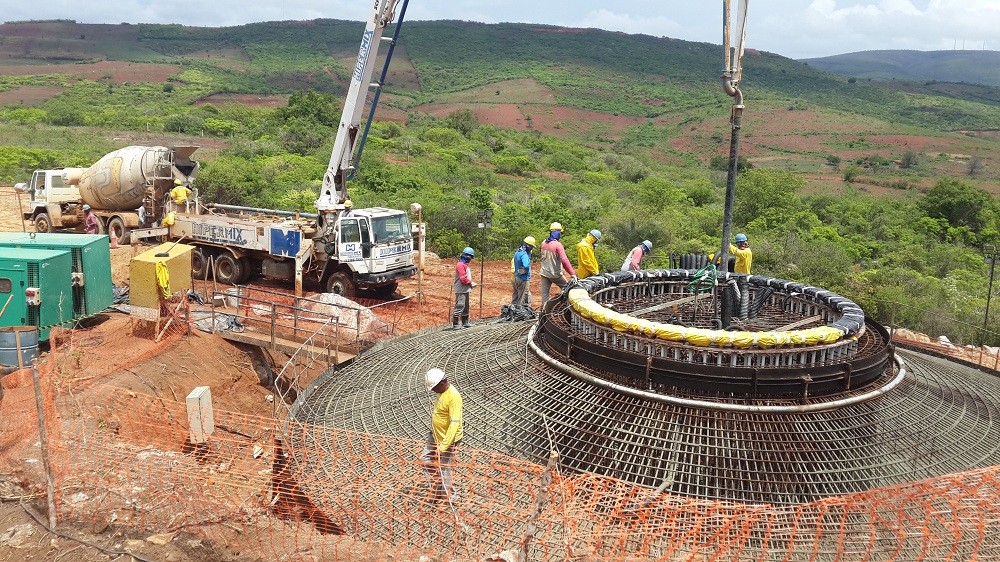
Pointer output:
228, 269
199, 264
248, 270
42, 223
117, 226
341, 284
386, 291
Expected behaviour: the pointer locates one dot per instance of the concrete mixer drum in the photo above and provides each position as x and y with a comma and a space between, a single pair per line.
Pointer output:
121, 180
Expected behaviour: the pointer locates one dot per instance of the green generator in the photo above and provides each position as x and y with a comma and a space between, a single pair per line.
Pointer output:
35, 289
91, 275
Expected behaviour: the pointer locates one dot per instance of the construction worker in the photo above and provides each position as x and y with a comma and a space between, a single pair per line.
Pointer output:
744, 256
521, 273
445, 435
348, 207
180, 194
587, 262
634, 258
463, 286
554, 262
90, 220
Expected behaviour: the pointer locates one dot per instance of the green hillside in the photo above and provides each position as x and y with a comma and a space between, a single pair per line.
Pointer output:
885, 194
967, 67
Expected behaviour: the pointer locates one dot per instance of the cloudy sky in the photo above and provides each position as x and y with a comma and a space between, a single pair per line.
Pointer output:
793, 28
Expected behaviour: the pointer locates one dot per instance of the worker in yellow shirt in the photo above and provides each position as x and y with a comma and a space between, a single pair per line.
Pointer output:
585, 258
180, 194
446, 434
743, 254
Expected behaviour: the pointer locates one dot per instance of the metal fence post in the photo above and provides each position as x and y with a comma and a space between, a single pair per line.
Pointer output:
43, 437
274, 320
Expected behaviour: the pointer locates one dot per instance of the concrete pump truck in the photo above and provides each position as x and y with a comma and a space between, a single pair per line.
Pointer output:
345, 249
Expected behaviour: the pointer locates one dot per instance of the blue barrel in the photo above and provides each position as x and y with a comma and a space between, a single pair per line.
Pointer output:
18, 346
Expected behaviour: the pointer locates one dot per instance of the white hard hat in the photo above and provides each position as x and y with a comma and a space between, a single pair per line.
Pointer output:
434, 376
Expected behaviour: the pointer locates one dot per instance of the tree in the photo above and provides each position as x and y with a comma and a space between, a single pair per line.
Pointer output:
231, 180
762, 192
975, 166
721, 162
851, 173
513, 164
184, 123
463, 121
312, 106
957, 202
908, 160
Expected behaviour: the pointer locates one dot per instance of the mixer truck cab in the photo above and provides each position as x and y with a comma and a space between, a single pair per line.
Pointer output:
116, 187
53, 203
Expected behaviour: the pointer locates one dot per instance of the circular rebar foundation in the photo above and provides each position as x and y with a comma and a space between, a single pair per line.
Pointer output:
940, 418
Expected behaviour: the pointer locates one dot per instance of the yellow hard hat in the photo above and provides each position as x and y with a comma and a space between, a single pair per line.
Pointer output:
348, 204
555, 226
178, 182
529, 240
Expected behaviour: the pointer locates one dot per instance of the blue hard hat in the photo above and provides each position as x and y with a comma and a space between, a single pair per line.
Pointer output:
741, 237
468, 251
596, 234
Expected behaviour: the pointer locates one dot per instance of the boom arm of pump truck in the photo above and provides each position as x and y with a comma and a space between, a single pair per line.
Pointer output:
343, 158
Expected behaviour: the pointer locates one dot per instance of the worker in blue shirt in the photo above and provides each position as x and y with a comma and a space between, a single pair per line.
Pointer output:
521, 273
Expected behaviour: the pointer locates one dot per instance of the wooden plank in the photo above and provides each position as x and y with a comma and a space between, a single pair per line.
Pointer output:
802, 322
664, 305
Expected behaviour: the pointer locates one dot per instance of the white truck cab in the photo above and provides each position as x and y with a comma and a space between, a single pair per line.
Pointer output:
374, 249
53, 202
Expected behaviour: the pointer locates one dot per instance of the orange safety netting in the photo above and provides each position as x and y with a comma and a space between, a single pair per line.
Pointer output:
122, 457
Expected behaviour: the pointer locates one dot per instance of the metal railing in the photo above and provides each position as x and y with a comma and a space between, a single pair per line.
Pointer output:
290, 321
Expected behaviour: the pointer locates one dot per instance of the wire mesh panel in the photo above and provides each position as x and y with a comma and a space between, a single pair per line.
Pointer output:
940, 418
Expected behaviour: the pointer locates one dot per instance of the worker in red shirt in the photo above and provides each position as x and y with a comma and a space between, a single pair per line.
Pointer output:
634, 258
555, 264
463, 286
90, 220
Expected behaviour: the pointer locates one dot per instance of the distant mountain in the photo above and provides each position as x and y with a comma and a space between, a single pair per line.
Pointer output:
970, 67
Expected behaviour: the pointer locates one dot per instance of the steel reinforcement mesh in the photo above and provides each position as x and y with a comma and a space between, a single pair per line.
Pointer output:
270, 488
941, 419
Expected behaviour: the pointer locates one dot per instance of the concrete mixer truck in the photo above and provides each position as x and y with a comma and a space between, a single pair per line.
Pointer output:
127, 189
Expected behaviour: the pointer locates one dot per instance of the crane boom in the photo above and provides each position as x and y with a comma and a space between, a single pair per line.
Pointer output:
346, 148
